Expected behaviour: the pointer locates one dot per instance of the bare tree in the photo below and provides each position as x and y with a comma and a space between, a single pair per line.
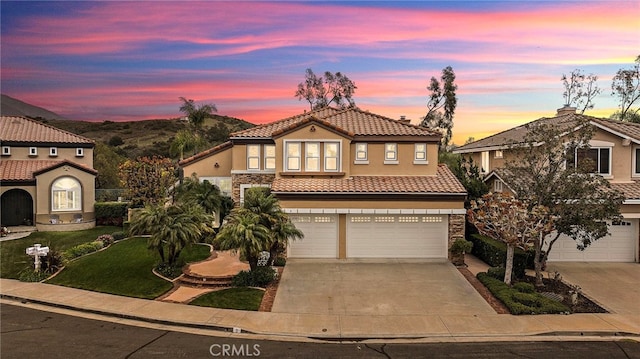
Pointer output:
322, 91
580, 90
626, 86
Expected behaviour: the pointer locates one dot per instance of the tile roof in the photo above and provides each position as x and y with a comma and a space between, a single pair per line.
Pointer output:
350, 121
23, 170
566, 121
631, 190
206, 153
21, 129
444, 182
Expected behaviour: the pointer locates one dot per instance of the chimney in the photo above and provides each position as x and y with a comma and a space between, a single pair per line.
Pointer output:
403, 119
566, 110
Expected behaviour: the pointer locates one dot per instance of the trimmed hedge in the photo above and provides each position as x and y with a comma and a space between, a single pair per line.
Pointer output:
494, 253
110, 213
519, 299
82, 249
259, 277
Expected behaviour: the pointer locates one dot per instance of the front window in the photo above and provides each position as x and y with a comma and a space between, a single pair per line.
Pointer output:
66, 194
33, 151
253, 157
53, 151
593, 160
269, 157
79, 152
484, 157
421, 152
497, 185
293, 156
331, 151
391, 152
361, 151
312, 156
6, 150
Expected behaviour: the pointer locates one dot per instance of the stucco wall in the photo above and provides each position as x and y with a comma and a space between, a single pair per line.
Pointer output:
43, 194
206, 166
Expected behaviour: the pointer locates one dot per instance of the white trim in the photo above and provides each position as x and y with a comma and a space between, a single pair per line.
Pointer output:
79, 152
484, 148
620, 134
267, 157
246, 172
245, 186
634, 158
33, 151
366, 153
6, 150
600, 143
631, 201
390, 162
285, 154
356, 162
631, 215
416, 162
53, 151
442, 211
259, 156
393, 160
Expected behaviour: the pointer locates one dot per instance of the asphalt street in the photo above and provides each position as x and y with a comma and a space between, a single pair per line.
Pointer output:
31, 333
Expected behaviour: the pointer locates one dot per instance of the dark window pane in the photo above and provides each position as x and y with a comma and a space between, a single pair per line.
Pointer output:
637, 160
604, 160
588, 159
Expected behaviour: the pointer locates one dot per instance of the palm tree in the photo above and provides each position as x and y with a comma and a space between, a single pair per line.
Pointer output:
172, 228
261, 202
182, 142
243, 232
196, 114
204, 193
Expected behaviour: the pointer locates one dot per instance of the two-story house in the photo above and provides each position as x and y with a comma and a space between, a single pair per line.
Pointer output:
615, 152
357, 184
46, 176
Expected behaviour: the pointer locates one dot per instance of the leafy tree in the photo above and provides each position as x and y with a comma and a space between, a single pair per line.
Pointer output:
468, 173
322, 91
243, 232
261, 202
172, 228
510, 220
441, 105
106, 161
218, 133
147, 180
115, 141
626, 86
580, 90
542, 173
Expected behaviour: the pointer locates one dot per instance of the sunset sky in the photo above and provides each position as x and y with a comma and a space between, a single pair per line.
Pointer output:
121, 60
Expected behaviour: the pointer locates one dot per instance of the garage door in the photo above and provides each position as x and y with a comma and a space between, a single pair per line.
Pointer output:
397, 236
618, 247
320, 236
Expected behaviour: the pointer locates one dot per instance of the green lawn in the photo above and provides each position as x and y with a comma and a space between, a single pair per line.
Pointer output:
240, 298
12, 253
122, 269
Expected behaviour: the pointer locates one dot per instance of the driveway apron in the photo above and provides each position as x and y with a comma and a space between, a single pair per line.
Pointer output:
616, 286
380, 287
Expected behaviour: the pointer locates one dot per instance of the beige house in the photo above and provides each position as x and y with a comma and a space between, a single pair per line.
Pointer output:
46, 176
358, 185
615, 150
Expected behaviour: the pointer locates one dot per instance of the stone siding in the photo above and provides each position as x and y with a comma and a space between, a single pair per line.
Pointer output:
248, 178
456, 228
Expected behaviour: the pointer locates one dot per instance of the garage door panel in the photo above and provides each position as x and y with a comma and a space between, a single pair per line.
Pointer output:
620, 246
396, 236
320, 236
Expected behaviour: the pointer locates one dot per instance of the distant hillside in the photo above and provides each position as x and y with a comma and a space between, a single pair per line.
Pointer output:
131, 139
10, 106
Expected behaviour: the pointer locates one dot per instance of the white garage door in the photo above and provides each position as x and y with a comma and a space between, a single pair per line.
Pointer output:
320, 236
397, 236
620, 246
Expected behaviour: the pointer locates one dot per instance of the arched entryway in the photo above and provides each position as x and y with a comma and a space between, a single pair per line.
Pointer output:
17, 208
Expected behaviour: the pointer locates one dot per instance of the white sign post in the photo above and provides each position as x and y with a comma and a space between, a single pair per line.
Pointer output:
36, 252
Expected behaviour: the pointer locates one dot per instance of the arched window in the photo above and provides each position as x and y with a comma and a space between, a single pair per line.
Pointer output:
66, 194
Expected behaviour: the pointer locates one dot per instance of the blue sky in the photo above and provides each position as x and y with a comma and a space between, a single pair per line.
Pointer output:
132, 60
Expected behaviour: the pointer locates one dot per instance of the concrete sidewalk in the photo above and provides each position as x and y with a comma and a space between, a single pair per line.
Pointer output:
451, 327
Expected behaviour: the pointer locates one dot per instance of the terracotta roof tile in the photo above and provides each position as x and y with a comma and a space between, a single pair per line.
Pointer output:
23, 170
630, 129
206, 153
20, 129
631, 190
444, 182
352, 121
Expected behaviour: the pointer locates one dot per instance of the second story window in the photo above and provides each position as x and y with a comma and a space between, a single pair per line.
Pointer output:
498, 154
312, 156
253, 157
594, 160
53, 151
361, 152
6, 150
79, 152
292, 153
33, 151
420, 152
269, 157
484, 159
391, 153
331, 152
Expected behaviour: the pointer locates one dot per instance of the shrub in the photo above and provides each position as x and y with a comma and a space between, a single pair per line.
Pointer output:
30, 275
169, 271
119, 235
519, 302
524, 287
496, 272
110, 213
461, 245
106, 239
260, 277
279, 261
494, 253
81, 250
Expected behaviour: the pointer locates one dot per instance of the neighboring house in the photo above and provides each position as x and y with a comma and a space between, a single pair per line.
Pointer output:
358, 185
615, 151
46, 176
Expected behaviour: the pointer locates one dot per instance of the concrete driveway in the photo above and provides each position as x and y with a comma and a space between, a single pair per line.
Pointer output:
380, 287
615, 286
